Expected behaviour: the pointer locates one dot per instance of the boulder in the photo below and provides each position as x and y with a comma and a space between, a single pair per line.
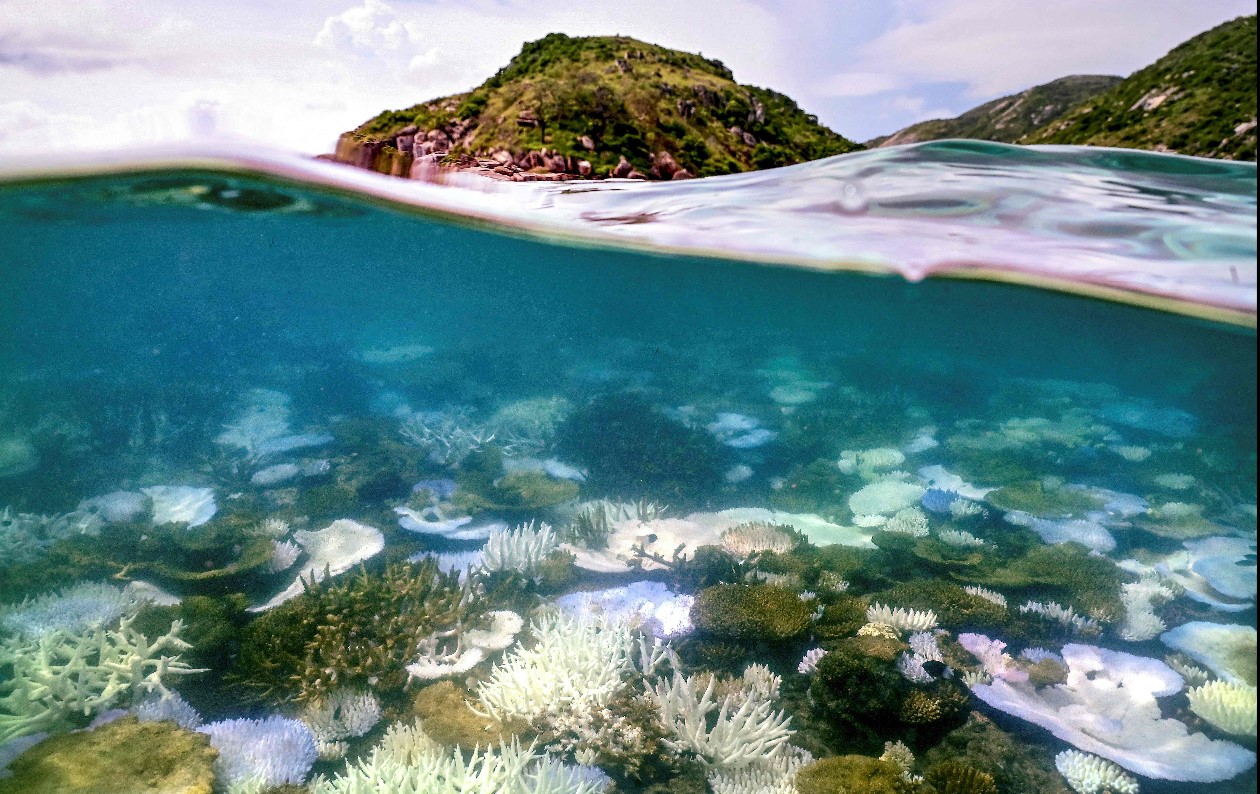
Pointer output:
683, 173
623, 169
664, 165
586, 143
584, 167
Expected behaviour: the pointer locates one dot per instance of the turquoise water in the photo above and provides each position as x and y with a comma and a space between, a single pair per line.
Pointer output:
307, 356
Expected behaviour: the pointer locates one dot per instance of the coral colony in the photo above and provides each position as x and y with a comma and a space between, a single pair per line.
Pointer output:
601, 589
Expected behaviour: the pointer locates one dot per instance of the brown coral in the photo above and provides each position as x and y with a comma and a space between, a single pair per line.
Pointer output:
955, 777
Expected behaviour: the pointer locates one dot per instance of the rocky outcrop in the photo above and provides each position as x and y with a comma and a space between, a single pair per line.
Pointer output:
595, 107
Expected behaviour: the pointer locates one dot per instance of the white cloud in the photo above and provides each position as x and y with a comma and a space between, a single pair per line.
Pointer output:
998, 47
854, 84
370, 29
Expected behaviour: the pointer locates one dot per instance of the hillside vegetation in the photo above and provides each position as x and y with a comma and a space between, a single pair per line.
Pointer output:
564, 102
1199, 99
1009, 118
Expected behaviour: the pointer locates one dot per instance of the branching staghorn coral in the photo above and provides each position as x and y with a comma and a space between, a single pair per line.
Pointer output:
522, 549
1139, 599
746, 730
573, 664
359, 631
447, 438
407, 761
62, 675
772, 775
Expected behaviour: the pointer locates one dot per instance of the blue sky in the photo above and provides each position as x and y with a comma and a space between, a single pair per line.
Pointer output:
80, 74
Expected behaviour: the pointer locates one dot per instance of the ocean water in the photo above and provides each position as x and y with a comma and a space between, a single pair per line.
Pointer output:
1028, 371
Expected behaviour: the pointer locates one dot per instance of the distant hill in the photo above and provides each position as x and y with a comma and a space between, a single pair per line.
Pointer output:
1199, 99
598, 106
1010, 118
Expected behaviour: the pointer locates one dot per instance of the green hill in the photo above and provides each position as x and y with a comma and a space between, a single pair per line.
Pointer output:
1199, 99
580, 105
1009, 118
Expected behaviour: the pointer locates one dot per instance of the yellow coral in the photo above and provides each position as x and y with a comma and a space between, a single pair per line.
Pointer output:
1229, 706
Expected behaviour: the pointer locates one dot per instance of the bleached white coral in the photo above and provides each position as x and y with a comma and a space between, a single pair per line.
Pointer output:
898, 753
901, 619
774, 774
962, 508
1140, 621
1174, 482
809, 662
745, 540
429, 768
283, 556
447, 438
1064, 615
885, 497
960, 538
1193, 674
868, 463
988, 595
61, 673
345, 714
522, 549
1133, 454
923, 644
1089, 774
908, 521
170, 708
1227, 705
274, 528
258, 754
572, 664
70, 609
995, 662
911, 668
746, 728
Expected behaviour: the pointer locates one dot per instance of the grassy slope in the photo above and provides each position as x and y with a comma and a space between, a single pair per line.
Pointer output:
624, 95
1009, 118
1210, 81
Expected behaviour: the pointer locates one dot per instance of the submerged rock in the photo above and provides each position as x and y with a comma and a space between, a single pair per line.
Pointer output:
121, 757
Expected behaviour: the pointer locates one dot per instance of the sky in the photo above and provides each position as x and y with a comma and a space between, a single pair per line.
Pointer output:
104, 74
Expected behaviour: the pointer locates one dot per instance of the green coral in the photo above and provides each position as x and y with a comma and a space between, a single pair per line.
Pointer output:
858, 693
1014, 765
817, 487
955, 608
357, 631
1066, 572
212, 626
630, 448
1043, 499
853, 774
956, 777
122, 756
60, 678
841, 618
756, 612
